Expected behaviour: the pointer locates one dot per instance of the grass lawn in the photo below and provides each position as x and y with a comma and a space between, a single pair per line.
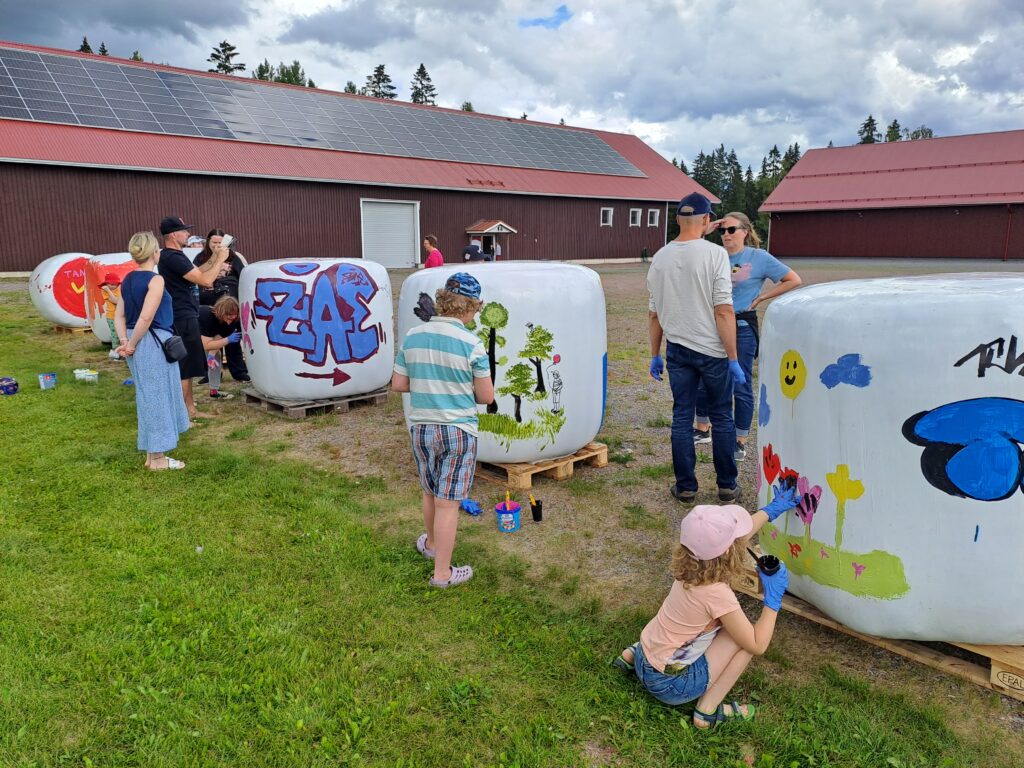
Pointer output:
257, 610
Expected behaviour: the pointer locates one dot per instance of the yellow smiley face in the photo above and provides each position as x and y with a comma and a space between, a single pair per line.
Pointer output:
792, 374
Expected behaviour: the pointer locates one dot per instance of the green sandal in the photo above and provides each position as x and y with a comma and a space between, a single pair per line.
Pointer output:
711, 719
620, 662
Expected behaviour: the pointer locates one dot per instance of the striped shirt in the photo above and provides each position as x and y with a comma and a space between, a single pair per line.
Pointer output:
441, 359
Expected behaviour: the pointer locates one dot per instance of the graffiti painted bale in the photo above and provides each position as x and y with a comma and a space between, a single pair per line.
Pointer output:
895, 407
314, 329
543, 328
57, 289
97, 271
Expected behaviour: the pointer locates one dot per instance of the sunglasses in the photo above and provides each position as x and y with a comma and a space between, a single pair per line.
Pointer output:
729, 230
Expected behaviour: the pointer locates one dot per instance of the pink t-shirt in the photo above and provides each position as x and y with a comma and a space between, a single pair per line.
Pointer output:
435, 259
676, 636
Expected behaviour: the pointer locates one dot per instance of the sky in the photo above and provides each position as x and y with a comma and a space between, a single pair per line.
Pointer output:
684, 76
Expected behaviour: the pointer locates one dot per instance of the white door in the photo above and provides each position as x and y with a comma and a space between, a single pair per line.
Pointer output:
391, 233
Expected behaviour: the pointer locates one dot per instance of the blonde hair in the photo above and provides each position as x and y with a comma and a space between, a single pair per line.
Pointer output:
696, 573
225, 305
142, 247
455, 304
751, 238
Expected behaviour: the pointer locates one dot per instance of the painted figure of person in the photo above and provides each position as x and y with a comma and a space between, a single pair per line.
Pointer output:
556, 392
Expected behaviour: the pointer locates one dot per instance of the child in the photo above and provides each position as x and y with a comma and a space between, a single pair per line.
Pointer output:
447, 373
111, 288
701, 641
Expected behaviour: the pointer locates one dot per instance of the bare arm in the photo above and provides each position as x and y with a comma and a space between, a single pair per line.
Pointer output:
399, 383
788, 282
120, 326
725, 320
150, 305
655, 332
206, 275
483, 389
213, 343
753, 638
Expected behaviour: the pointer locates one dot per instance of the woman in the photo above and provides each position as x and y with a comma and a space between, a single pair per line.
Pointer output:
434, 256
143, 320
751, 267
226, 283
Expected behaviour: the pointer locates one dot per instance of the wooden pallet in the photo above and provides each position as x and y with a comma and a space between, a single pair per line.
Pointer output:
300, 409
519, 477
999, 668
62, 329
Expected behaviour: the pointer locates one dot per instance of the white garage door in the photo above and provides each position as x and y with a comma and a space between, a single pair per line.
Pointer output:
391, 233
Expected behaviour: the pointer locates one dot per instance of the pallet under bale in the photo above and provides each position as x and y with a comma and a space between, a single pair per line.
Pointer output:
519, 476
301, 409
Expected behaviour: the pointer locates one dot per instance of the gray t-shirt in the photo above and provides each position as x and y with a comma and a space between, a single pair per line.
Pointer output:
686, 282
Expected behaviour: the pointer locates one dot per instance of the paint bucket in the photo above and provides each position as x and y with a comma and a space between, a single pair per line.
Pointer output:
87, 375
508, 516
47, 380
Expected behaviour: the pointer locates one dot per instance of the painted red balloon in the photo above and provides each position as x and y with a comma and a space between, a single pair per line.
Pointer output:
556, 359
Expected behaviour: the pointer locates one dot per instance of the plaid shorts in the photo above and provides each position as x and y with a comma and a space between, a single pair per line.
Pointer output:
445, 459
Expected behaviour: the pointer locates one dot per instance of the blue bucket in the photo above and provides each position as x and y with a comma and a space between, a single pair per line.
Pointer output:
47, 380
508, 516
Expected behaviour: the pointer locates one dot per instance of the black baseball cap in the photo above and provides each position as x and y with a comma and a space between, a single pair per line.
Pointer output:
694, 204
173, 224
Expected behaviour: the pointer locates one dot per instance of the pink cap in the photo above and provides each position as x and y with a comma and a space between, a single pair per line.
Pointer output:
709, 530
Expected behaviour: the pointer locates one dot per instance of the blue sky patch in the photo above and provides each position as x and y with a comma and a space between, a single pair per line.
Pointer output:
561, 15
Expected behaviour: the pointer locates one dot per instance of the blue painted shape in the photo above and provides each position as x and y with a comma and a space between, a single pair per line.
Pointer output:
604, 389
977, 530
971, 447
299, 269
848, 369
764, 411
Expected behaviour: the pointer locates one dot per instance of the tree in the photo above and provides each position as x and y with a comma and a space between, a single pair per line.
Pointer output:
538, 349
921, 132
292, 74
493, 318
520, 385
421, 89
264, 71
379, 85
467, 106
223, 59
830, 144
350, 87
791, 158
682, 167
868, 132
85, 47
893, 132
136, 56
103, 49
310, 83
523, 116
561, 121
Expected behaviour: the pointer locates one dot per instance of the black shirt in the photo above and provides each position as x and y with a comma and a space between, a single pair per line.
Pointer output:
173, 267
211, 327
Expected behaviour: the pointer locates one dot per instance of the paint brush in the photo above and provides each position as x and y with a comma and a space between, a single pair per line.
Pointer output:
508, 500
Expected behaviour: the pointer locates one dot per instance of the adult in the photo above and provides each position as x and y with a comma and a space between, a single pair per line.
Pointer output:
691, 307
220, 329
751, 267
143, 320
179, 276
434, 256
226, 283
473, 252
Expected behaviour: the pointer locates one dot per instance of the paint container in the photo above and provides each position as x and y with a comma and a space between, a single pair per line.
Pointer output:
80, 373
91, 377
537, 508
47, 380
768, 564
508, 516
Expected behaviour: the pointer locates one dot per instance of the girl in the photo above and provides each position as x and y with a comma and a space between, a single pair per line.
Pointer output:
701, 641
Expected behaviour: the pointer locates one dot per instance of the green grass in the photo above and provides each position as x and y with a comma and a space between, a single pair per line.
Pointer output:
659, 422
253, 611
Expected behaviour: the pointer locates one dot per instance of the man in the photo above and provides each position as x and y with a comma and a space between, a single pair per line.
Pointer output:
179, 276
691, 306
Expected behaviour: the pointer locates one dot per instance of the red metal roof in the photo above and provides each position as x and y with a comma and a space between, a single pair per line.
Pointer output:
34, 142
978, 169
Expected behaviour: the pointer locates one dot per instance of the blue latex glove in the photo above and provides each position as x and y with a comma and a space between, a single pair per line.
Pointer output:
657, 367
785, 499
738, 376
774, 587
470, 507
234, 337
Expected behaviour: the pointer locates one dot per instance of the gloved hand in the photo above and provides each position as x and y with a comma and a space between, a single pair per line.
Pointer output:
657, 367
774, 586
234, 337
738, 376
785, 499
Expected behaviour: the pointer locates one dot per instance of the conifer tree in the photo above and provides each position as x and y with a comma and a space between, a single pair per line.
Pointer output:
379, 85
421, 89
264, 71
103, 49
136, 56
894, 132
350, 87
223, 59
467, 106
868, 131
85, 47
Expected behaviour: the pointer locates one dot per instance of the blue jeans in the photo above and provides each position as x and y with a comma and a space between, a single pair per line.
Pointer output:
687, 370
688, 685
746, 348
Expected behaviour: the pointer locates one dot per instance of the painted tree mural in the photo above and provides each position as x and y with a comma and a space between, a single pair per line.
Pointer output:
539, 345
493, 318
519, 384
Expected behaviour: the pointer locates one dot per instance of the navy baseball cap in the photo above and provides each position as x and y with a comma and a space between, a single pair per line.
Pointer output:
694, 204
171, 224
463, 284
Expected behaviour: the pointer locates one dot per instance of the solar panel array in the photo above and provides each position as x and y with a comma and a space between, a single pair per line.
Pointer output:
78, 91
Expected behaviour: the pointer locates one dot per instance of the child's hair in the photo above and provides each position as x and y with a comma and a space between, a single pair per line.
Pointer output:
454, 304
142, 246
696, 573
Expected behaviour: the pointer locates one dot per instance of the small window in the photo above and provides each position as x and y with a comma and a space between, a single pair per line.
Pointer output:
634, 217
652, 217
606, 216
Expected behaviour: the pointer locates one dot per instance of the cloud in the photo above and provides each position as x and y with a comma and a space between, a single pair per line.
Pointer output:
360, 25
561, 15
848, 369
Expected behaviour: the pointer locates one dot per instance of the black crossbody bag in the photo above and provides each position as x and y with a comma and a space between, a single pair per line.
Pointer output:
174, 348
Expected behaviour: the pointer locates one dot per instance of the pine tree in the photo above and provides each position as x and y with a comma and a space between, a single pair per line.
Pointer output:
921, 132
682, 167
467, 106
894, 132
136, 56
830, 144
791, 158
85, 47
379, 85
292, 74
523, 116
868, 132
734, 192
264, 71
774, 165
421, 89
103, 49
561, 121
350, 87
222, 58
310, 83
752, 199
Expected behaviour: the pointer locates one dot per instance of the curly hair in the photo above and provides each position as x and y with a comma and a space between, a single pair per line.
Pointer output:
696, 573
454, 304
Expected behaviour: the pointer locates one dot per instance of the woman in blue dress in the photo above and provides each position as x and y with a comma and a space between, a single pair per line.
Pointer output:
144, 319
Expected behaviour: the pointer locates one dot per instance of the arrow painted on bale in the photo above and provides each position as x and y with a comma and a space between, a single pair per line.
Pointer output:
338, 377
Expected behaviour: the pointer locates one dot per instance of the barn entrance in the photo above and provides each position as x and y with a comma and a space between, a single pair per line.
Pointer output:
493, 237
391, 232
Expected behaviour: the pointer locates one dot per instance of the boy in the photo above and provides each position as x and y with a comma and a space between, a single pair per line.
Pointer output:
111, 288
447, 373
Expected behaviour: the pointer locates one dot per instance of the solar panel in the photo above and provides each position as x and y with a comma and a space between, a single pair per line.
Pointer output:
65, 89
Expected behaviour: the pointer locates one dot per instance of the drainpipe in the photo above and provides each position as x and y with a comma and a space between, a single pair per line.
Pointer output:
1009, 225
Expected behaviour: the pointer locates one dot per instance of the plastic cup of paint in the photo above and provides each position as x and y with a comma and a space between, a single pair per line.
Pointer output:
508, 516
537, 508
47, 380
768, 564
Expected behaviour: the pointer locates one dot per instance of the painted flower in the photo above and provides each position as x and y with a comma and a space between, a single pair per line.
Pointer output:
809, 498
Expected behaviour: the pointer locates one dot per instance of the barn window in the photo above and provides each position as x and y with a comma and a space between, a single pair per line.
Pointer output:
634, 217
652, 217
606, 216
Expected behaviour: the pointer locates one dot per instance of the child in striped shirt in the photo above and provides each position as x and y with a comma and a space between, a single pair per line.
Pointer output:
443, 367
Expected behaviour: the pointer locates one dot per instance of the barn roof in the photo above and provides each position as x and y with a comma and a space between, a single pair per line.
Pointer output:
978, 169
35, 133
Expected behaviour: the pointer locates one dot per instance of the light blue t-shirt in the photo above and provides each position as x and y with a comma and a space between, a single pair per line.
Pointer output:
750, 268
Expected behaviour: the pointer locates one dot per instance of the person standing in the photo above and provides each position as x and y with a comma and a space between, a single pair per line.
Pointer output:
434, 256
179, 276
751, 267
691, 308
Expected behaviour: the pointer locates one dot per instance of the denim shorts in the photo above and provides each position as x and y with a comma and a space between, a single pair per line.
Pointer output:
445, 460
686, 686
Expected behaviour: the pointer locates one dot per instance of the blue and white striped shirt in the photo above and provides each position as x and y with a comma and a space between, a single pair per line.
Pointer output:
441, 359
